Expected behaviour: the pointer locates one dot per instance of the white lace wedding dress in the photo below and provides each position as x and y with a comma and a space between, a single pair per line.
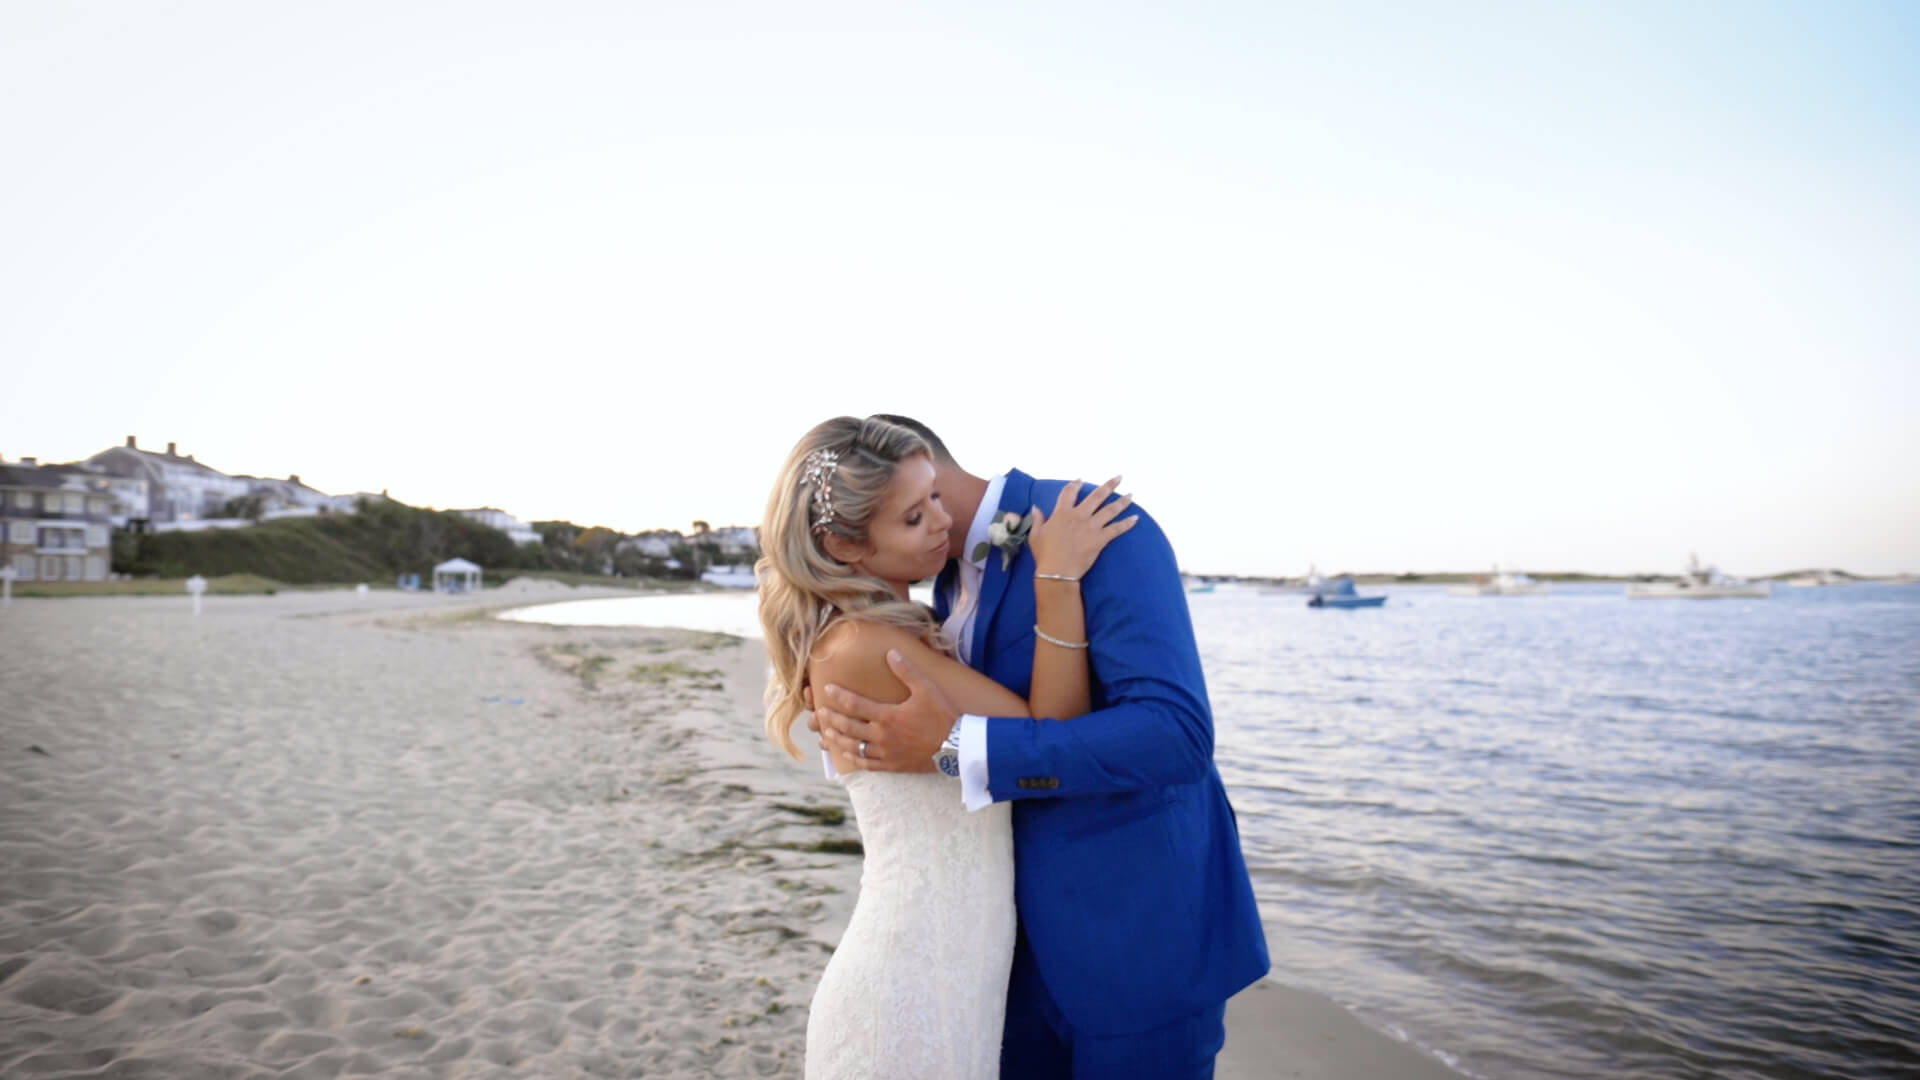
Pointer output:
918, 987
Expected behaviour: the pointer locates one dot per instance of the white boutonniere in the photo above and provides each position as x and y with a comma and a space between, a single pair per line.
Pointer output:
1008, 533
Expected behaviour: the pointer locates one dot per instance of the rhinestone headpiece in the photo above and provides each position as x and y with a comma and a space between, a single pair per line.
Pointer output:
820, 465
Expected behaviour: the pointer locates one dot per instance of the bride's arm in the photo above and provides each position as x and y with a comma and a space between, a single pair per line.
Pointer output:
1064, 547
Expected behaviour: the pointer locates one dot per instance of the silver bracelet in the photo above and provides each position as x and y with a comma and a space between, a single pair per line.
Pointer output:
1058, 577
1050, 639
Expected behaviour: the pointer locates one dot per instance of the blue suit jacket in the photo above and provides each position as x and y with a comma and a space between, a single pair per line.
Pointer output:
1131, 887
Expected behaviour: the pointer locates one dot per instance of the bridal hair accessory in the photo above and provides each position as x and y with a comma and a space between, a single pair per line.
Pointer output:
1009, 534
820, 465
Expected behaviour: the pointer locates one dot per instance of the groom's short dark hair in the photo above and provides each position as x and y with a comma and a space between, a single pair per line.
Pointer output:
939, 448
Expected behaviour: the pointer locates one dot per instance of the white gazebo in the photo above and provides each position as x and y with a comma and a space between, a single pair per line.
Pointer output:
456, 575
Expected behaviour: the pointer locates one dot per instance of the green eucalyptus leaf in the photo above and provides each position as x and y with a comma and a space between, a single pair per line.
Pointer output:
979, 551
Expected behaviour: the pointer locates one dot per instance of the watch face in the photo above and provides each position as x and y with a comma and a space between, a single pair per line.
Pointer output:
948, 762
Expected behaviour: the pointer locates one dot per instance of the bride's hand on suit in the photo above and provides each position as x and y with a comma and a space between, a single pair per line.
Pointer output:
1066, 544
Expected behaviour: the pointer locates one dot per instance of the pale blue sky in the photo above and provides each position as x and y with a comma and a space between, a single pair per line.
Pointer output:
1372, 286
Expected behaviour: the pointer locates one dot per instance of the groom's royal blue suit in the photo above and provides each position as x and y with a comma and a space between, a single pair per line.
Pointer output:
1136, 912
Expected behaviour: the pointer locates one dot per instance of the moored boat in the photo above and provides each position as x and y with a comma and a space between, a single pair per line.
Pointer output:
1700, 583
1340, 593
1501, 583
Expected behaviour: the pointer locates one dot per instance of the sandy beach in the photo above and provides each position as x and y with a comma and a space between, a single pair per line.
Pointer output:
321, 834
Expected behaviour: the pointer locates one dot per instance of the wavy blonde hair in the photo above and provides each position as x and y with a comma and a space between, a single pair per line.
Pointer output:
802, 588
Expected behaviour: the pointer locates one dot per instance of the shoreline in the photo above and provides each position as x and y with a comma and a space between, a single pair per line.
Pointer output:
317, 832
1277, 1029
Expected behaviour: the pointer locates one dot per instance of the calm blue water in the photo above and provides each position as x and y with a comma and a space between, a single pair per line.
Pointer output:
1579, 836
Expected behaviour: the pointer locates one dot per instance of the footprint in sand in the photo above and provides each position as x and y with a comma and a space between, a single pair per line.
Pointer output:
56, 992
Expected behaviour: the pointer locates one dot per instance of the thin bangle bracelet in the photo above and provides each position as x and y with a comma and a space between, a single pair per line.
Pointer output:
1058, 577
1050, 639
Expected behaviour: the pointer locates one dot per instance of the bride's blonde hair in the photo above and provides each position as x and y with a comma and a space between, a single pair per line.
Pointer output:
833, 481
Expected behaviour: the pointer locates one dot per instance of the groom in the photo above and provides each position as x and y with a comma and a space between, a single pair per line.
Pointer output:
1137, 919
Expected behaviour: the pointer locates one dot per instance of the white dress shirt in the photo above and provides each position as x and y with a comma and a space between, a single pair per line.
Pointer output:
959, 626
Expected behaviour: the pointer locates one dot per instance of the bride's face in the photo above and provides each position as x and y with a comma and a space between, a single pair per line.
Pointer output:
907, 538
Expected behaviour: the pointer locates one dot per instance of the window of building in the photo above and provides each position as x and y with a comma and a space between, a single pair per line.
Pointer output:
96, 505
96, 536
76, 502
22, 532
23, 500
62, 538
23, 565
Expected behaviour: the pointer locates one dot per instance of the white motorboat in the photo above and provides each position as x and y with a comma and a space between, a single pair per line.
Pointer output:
1701, 583
1817, 579
1501, 583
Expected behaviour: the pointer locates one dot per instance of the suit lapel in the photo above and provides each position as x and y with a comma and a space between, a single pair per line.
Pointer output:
943, 589
1015, 496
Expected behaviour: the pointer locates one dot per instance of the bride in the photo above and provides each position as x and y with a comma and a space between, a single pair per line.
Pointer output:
918, 986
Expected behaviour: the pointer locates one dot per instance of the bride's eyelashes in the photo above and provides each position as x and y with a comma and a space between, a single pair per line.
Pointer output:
915, 518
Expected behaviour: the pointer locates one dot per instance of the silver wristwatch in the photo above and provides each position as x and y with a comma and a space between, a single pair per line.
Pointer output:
947, 758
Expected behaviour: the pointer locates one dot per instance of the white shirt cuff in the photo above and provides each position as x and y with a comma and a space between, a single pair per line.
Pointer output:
826, 762
973, 763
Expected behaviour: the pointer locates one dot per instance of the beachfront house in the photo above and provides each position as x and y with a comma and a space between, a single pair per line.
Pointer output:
656, 544
291, 498
734, 541
517, 531
173, 491
55, 522
179, 488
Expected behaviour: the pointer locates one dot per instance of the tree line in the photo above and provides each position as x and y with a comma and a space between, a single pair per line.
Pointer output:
384, 538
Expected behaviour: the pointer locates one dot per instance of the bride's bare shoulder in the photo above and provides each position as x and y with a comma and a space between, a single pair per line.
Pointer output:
853, 653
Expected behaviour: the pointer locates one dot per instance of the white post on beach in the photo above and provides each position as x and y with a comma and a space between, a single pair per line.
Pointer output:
7, 574
196, 585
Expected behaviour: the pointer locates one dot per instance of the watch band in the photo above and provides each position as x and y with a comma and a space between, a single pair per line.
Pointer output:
947, 758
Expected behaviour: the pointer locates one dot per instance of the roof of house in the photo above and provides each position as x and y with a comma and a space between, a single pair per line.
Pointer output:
29, 476
51, 477
150, 457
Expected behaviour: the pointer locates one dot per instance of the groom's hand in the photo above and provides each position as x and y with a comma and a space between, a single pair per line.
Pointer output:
899, 738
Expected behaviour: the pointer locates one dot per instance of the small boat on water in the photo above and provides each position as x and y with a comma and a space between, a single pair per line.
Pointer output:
1339, 593
1700, 583
1501, 583
1818, 579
